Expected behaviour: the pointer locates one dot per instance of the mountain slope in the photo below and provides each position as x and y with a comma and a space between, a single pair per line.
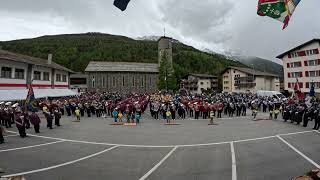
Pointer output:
75, 51
261, 64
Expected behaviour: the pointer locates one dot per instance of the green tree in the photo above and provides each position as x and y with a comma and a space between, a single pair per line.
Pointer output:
167, 78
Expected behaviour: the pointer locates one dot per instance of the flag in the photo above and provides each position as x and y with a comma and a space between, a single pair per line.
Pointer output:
312, 92
31, 103
280, 10
121, 4
297, 90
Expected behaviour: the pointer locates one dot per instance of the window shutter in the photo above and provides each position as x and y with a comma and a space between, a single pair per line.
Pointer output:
289, 55
316, 51
307, 73
307, 84
302, 53
289, 85
288, 65
300, 74
318, 61
305, 63
300, 64
289, 75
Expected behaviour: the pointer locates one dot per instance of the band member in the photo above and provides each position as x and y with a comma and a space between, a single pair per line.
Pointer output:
49, 118
20, 124
1, 134
77, 113
57, 117
35, 121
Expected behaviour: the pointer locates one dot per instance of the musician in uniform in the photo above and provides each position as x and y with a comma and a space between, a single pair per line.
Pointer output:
20, 124
49, 118
1, 134
35, 121
57, 117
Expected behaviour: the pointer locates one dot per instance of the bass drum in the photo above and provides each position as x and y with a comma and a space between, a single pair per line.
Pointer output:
302, 178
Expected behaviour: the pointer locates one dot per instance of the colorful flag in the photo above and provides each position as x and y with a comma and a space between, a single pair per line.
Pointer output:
31, 103
121, 4
280, 10
297, 90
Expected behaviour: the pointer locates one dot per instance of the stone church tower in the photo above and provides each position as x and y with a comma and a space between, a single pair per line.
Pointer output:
165, 48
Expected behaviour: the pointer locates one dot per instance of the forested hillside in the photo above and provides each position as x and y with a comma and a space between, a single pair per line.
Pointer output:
74, 51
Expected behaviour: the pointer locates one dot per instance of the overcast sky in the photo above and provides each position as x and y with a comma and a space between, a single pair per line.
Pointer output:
219, 25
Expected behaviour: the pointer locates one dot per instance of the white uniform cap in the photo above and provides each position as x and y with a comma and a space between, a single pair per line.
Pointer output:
1, 103
8, 103
15, 105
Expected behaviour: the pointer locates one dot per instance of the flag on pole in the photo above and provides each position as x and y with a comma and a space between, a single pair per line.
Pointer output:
31, 103
312, 92
297, 90
280, 10
121, 4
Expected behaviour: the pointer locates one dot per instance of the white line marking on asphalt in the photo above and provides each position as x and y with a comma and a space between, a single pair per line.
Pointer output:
288, 134
317, 131
299, 152
28, 147
234, 163
11, 135
164, 146
157, 165
59, 165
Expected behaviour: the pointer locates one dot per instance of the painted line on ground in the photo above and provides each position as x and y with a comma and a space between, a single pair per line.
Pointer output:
299, 152
165, 146
302, 132
317, 131
234, 163
59, 165
157, 165
11, 135
28, 147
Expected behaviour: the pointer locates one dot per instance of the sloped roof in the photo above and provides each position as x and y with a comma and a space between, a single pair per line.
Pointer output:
11, 56
204, 75
102, 66
251, 71
298, 47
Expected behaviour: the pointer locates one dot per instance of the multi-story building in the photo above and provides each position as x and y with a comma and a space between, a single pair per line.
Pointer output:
302, 63
19, 71
199, 83
239, 79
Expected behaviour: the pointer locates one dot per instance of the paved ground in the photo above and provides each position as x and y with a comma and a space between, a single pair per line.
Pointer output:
236, 148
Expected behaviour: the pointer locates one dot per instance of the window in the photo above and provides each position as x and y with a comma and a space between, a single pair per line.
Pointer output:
123, 81
225, 77
19, 74
133, 83
46, 76
295, 74
294, 54
142, 81
295, 64
64, 78
6, 72
36, 75
93, 82
226, 82
201, 83
150, 81
113, 81
313, 73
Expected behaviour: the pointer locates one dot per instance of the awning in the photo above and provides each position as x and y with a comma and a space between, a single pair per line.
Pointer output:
21, 94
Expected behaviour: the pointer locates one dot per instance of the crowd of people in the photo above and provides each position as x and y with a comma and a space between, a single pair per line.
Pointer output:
169, 107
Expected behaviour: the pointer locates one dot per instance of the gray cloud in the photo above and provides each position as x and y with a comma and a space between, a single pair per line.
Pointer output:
219, 25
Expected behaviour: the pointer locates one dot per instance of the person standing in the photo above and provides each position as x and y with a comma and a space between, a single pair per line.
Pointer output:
77, 113
35, 121
115, 115
20, 124
1, 134
57, 117
49, 118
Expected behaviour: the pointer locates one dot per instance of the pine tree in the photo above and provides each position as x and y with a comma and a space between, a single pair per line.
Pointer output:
167, 79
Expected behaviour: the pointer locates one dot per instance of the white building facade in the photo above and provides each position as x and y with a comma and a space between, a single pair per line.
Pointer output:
19, 71
241, 80
302, 63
